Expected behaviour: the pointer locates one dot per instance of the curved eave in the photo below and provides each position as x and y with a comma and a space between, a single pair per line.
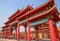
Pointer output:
23, 11
56, 15
14, 14
41, 15
35, 10
59, 18
20, 13
5, 26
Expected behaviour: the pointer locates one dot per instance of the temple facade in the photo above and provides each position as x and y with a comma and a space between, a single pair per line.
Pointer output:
43, 19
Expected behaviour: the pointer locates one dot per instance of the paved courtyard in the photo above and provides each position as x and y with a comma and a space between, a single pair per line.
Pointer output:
7, 40
20, 40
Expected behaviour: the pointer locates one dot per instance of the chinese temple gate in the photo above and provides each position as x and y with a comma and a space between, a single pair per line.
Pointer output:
45, 16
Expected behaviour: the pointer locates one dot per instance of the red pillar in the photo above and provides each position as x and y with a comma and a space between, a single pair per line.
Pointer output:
37, 34
9, 34
25, 34
46, 35
18, 31
4, 35
56, 32
52, 32
28, 31
16, 34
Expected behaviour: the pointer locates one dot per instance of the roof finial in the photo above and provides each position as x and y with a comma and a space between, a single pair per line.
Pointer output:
18, 8
32, 5
22, 8
28, 5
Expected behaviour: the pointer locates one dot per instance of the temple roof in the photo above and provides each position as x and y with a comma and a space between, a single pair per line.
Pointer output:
19, 13
5, 26
14, 13
29, 8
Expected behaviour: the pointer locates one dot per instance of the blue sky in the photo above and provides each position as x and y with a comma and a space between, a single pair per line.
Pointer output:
8, 7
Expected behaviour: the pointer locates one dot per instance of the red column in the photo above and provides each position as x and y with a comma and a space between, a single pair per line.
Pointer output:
52, 32
36, 34
9, 34
4, 35
28, 31
56, 32
46, 35
25, 34
16, 34
18, 31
